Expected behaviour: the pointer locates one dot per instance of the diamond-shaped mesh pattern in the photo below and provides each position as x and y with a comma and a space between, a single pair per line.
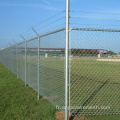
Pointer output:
44, 72
94, 71
32, 64
52, 51
94, 68
5, 57
14, 58
21, 61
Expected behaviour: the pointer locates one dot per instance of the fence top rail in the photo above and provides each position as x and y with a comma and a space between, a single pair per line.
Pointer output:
95, 29
80, 29
47, 34
43, 35
59, 30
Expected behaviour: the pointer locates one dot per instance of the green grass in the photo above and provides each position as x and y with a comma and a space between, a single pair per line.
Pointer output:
18, 102
87, 76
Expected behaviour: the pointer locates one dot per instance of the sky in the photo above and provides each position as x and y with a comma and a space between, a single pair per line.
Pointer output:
17, 16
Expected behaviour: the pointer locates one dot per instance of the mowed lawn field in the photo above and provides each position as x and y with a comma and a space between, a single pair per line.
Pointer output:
99, 79
86, 78
19, 102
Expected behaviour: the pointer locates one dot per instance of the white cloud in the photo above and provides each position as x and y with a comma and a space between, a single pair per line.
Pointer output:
50, 8
46, 2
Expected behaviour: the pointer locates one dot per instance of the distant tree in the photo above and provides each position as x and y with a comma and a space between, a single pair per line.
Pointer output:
111, 53
93, 52
62, 51
83, 52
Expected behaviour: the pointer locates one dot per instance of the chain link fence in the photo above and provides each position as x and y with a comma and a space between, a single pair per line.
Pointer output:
94, 73
94, 68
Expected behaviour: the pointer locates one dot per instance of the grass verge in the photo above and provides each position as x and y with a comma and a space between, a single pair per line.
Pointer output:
18, 102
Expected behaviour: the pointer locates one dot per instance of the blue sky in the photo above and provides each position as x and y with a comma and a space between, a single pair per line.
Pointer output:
16, 16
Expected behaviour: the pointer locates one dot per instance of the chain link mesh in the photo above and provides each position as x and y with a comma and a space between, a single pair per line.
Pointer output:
32, 64
94, 71
94, 65
21, 61
52, 52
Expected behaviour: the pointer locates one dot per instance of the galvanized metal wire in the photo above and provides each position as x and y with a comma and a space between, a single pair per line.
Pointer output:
94, 73
82, 78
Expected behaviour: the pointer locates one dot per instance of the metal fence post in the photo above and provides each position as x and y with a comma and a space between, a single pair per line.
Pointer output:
38, 96
67, 60
25, 63
69, 64
25, 60
38, 66
17, 63
17, 57
11, 58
